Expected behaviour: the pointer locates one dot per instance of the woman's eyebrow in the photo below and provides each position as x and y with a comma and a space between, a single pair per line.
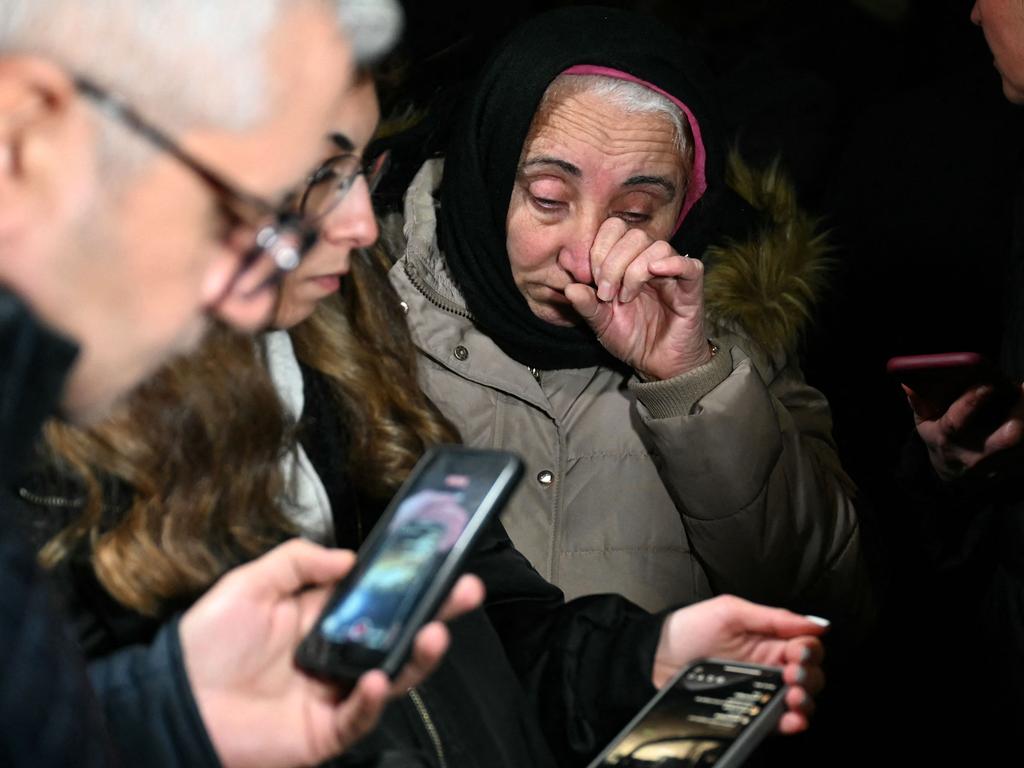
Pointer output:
343, 142
566, 166
657, 181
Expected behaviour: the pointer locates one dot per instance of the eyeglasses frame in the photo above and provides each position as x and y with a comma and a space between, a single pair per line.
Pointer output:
284, 216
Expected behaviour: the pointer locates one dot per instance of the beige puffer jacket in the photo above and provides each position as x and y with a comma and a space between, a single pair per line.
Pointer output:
724, 479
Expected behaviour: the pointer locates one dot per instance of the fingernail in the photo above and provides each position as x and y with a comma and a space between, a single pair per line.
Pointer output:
805, 655
624, 296
604, 292
801, 676
819, 621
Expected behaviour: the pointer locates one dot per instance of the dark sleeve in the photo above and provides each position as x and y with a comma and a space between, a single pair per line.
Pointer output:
972, 535
956, 521
151, 713
51, 498
585, 665
140, 703
48, 713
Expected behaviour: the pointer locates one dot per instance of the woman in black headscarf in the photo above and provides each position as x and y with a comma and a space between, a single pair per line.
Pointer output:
674, 450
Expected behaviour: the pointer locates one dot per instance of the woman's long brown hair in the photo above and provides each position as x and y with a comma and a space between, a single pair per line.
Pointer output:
359, 339
200, 446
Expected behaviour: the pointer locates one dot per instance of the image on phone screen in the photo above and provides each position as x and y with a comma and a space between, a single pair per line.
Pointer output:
423, 530
699, 718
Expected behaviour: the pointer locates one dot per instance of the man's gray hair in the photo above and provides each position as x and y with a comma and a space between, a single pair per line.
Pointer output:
183, 63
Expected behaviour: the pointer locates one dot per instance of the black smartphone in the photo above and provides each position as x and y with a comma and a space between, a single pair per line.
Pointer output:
409, 562
712, 713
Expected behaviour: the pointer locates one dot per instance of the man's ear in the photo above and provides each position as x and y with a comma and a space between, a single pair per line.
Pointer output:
41, 124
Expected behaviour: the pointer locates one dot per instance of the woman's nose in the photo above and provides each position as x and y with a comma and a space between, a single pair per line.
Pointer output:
574, 255
352, 222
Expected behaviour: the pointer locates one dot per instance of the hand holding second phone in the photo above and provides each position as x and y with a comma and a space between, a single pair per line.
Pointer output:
648, 307
728, 627
955, 446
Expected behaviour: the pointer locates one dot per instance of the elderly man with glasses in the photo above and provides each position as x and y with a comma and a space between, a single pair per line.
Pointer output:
141, 146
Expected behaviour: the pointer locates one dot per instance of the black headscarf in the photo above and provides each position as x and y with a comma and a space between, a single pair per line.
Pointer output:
480, 167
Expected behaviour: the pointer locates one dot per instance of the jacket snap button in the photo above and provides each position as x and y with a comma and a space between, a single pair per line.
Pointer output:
461, 353
405, 307
545, 477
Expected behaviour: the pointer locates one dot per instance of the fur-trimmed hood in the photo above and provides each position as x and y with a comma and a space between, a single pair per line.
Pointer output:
767, 285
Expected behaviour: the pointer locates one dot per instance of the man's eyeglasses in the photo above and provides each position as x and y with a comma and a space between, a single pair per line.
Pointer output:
284, 232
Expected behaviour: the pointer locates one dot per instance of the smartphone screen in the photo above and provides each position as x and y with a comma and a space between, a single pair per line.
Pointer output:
713, 713
410, 557
425, 527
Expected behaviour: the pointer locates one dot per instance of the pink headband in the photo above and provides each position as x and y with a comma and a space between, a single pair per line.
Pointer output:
698, 184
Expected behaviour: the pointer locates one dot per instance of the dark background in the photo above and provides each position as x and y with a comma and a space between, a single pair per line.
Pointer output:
891, 121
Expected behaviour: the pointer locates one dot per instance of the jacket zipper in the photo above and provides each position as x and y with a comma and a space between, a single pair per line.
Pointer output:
428, 723
49, 501
431, 295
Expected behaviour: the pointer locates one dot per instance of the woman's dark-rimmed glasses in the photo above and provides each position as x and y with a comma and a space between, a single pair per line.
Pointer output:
329, 183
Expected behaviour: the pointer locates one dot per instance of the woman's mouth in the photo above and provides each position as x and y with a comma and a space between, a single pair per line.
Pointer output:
328, 283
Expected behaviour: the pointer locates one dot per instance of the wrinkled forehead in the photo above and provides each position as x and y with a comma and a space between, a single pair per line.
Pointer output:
597, 135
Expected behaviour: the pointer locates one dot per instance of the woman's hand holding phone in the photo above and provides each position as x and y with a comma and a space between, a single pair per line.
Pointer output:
728, 627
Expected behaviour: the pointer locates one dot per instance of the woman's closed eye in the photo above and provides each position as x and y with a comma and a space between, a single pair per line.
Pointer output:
547, 203
547, 194
636, 208
631, 217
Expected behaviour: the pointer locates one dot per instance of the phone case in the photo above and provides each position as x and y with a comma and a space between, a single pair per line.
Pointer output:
344, 661
938, 380
935, 362
746, 742
758, 730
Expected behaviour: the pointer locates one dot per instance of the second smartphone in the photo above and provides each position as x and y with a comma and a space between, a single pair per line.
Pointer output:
712, 713
409, 562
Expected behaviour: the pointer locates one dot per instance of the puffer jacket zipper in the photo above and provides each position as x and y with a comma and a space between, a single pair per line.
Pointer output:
431, 295
428, 723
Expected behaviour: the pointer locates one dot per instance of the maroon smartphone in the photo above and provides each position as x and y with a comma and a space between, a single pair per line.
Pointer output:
940, 379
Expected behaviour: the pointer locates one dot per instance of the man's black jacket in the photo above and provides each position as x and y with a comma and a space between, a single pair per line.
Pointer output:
138, 709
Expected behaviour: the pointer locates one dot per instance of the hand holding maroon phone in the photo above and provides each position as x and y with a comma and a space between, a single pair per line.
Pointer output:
968, 413
937, 380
